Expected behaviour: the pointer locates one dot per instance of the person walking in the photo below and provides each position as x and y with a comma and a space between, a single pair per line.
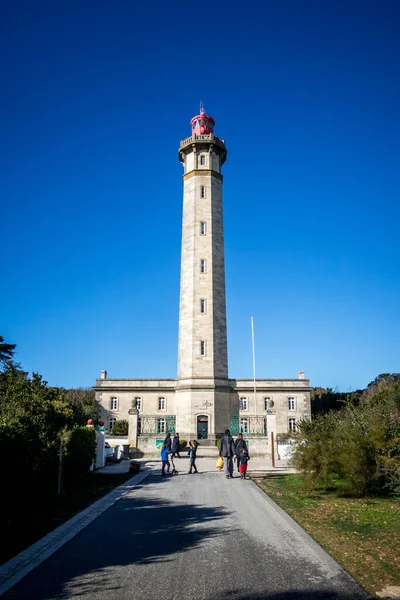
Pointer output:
244, 459
239, 444
168, 441
227, 451
175, 446
164, 458
193, 450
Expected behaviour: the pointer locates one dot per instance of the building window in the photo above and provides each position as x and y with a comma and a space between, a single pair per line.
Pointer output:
202, 191
267, 403
291, 403
202, 348
138, 403
111, 423
244, 426
202, 228
202, 265
114, 403
202, 305
292, 424
243, 404
202, 161
161, 404
160, 425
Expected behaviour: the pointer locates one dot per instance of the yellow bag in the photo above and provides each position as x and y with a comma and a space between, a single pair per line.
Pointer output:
220, 463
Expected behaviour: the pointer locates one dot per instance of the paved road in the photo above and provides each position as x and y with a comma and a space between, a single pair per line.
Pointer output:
199, 537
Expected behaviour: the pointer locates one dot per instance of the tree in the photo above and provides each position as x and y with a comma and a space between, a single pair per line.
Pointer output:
120, 428
6, 353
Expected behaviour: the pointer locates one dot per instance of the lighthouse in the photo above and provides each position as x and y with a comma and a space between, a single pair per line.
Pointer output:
201, 402
202, 392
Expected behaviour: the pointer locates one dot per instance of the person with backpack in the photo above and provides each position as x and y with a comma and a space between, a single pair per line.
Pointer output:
227, 451
193, 450
239, 444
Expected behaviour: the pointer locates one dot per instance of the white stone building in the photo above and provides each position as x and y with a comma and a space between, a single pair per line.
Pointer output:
202, 402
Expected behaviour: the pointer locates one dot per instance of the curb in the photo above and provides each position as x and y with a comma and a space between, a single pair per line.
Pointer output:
23, 563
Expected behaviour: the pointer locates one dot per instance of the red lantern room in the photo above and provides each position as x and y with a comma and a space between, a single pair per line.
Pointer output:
202, 124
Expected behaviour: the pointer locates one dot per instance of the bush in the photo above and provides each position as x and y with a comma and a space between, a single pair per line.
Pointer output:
355, 450
182, 444
120, 428
218, 444
81, 450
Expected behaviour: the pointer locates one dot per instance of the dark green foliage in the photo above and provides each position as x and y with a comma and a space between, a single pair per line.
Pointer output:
356, 449
120, 428
325, 399
81, 450
182, 444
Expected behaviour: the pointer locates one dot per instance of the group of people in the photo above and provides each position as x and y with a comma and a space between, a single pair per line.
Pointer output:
229, 449
170, 447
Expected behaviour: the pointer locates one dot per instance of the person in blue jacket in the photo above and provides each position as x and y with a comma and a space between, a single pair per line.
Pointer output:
165, 462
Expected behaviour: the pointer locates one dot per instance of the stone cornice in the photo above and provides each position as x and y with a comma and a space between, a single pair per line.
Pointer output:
202, 172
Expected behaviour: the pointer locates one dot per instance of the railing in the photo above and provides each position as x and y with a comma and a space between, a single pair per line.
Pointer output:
249, 425
206, 136
156, 424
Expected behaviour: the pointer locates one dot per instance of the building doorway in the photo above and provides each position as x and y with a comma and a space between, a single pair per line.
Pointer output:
202, 427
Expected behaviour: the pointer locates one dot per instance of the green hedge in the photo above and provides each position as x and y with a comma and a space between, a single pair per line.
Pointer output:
80, 452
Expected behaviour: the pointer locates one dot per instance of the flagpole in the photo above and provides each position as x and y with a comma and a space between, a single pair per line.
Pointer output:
254, 365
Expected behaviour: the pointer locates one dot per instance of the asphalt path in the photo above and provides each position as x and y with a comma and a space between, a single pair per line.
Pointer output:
185, 537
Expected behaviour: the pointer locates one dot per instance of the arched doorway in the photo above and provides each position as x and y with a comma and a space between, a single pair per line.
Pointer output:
202, 427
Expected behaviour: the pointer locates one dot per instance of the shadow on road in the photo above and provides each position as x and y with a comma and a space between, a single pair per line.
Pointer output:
133, 531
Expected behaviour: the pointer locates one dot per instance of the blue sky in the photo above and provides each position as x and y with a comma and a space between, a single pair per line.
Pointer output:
95, 99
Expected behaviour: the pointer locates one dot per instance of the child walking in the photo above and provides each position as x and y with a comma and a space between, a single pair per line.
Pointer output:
165, 461
244, 458
193, 449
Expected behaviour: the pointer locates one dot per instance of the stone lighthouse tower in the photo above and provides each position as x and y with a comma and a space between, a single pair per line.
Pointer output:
202, 388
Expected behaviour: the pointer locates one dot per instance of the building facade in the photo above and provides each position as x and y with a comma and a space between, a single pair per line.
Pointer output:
202, 401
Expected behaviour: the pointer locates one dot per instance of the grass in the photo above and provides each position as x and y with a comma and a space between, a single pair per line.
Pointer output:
31, 517
362, 534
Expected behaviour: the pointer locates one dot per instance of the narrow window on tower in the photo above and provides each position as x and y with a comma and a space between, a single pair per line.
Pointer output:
202, 305
202, 191
202, 348
202, 160
202, 265
202, 228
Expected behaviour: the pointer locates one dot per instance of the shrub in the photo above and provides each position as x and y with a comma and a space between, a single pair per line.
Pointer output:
81, 450
182, 444
120, 428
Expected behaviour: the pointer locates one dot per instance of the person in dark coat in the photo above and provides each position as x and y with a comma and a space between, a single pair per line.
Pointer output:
175, 446
244, 459
239, 444
227, 451
168, 442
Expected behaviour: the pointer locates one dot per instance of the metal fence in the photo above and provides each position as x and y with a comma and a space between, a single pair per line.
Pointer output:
249, 425
156, 424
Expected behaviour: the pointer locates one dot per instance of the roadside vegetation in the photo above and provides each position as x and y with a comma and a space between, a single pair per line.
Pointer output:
46, 451
346, 492
361, 533
355, 449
